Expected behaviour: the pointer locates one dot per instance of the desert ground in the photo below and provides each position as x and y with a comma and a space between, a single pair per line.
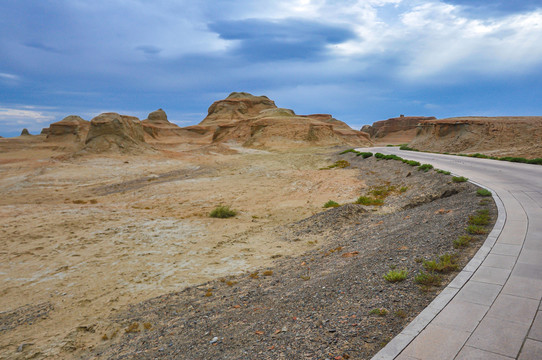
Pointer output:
84, 236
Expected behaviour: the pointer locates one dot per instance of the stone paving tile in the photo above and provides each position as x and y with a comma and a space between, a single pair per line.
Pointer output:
532, 350
532, 257
513, 232
461, 315
479, 293
394, 347
524, 287
460, 279
436, 342
500, 261
470, 353
528, 271
536, 329
514, 309
506, 249
499, 336
491, 275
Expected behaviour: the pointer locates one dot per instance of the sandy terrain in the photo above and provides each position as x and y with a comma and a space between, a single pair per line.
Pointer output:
82, 237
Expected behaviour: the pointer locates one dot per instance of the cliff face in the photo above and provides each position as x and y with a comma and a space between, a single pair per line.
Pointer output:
500, 136
401, 128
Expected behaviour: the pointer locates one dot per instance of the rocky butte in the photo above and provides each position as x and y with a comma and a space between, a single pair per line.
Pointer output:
396, 130
503, 136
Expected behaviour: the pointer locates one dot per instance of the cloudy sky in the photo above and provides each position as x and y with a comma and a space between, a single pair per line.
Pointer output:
360, 60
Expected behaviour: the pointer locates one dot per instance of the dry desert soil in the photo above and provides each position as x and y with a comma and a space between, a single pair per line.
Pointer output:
115, 256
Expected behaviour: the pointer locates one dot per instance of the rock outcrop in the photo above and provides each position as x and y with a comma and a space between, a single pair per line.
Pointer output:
157, 126
25, 132
499, 136
72, 129
402, 128
117, 133
255, 121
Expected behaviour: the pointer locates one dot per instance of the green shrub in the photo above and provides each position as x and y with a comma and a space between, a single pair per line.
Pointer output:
406, 147
331, 204
411, 162
480, 219
428, 279
462, 241
222, 212
387, 157
483, 192
445, 264
382, 191
341, 164
349, 150
476, 230
403, 189
364, 155
425, 167
365, 200
443, 172
396, 276
536, 161
379, 312
459, 179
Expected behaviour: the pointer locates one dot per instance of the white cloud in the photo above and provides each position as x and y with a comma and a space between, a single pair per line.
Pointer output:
9, 76
15, 119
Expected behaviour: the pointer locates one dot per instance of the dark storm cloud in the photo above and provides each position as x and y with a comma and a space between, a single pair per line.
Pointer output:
285, 39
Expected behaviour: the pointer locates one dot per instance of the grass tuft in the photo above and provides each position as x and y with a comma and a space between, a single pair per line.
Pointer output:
396, 275
425, 167
459, 179
483, 192
366, 200
428, 279
462, 241
331, 204
445, 264
476, 230
222, 212
379, 312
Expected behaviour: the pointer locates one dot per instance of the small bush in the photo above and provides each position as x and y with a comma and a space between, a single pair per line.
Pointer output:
331, 204
222, 212
365, 200
462, 241
396, 276
382, 191
459, 179
403, 189
536, 161
480, 219
365, 155
379, 312
428, 279
445, 264
387, 157
341, 164
348, 151
443, 172
483, 192
425, 167
411, 162
476, 230
406, 147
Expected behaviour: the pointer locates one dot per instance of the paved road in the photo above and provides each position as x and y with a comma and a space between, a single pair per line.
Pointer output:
492, 309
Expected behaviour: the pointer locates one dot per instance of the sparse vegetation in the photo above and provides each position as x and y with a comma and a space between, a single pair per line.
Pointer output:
425, 167
222, 212
365, 155
483, 192
379, 312
446, 263
443, 172
396, 275
459, 179
406, 147
366, 200
340, 164
348, 151
403, 189
428, 278
411, 162
382, 191
482, 218
462, 241
476, 230
331, 204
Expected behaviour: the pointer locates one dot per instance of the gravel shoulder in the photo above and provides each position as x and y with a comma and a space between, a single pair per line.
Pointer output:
332, 301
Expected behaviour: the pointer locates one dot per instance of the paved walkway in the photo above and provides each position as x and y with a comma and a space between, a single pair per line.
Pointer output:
492, 309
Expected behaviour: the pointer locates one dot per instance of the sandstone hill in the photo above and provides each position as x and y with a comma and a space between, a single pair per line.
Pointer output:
70, 129
255, 121
499, 136
157, 126
25, 132
114, 132
397, 130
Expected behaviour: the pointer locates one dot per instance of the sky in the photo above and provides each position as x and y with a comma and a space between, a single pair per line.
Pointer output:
359, 60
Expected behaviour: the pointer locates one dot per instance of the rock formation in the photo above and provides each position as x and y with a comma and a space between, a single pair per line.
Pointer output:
256, 121
114, 132
157, 126
71, 129
25, 132
499, 136
44, 131
401, 128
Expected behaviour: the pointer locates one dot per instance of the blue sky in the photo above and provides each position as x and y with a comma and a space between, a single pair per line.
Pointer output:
360, 60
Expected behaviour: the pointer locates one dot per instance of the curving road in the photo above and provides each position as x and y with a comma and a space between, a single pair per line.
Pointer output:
492, 309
